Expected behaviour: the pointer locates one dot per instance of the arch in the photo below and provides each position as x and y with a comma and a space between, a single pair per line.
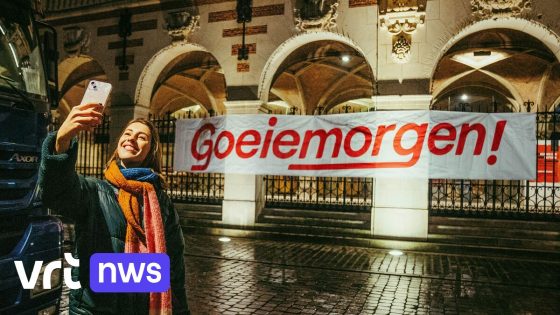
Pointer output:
69, 64
503, 82
515, 105
289, 46
507, 85
335, 98
156, 64
554, 105
67, 69
539, 31
73, 71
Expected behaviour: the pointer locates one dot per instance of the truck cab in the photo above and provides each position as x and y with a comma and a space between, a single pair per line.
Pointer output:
27, 92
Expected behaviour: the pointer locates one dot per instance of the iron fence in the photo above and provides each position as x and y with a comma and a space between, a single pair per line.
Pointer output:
320, 193
329, 193
186, 187
93, 148
537, 199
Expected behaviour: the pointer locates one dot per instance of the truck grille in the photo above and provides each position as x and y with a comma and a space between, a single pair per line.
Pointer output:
12, 228
17, 180
13, 194
17, 173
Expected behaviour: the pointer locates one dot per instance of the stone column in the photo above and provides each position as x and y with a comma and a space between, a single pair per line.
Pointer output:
400, 205
243, 194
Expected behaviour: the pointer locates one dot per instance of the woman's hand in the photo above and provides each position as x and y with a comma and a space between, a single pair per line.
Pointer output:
81, 117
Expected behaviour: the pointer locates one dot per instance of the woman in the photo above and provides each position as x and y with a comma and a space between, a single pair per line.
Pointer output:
127, 212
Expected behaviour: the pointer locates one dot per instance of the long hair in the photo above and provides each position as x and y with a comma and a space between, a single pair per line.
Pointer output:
154, 158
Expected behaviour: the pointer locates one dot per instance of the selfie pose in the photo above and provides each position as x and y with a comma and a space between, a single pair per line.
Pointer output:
127, 212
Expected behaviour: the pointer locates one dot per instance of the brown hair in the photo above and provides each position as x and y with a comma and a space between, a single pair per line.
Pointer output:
154, 158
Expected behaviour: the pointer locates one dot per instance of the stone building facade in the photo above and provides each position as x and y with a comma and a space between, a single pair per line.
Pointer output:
312, 58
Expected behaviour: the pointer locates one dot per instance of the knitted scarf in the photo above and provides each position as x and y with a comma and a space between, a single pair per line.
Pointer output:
151, 238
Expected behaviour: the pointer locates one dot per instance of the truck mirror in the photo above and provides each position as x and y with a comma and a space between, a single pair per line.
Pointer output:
48, 39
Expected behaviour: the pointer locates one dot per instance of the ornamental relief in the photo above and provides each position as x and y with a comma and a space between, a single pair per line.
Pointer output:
402, 5
499, 8
402, 43
401, 18
76, 40
180, 25
315, 15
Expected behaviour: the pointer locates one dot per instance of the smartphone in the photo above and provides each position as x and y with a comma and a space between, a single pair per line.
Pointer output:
97, 92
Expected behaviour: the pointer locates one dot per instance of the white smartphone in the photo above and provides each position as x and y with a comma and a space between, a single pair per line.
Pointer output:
97, 92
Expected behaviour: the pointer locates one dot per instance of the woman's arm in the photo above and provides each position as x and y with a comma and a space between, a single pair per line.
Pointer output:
62, 188
176, 251
82, 117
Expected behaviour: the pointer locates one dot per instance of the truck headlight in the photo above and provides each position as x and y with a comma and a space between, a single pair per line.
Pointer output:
56, 281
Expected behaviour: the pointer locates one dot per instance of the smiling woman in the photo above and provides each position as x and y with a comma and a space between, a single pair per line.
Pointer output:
128, 211
134, 144
139, 146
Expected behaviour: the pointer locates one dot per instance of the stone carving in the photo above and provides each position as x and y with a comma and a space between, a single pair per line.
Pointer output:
499, 8
401, 47
394, 6
407, 24
312, 9
76, 40
402, 5
401, 18
326, 22
180, 25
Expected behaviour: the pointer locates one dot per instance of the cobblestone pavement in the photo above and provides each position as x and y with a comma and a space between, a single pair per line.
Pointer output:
248, 276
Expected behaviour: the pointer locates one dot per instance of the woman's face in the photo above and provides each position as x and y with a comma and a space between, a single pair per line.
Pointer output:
134, 144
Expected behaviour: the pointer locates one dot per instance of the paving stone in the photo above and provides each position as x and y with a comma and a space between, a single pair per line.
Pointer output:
247, 276
275, 277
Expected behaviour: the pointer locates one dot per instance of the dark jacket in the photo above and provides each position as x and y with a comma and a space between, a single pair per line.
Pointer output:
100, 227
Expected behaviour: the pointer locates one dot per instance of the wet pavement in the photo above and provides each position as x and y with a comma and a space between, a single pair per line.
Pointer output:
247, 276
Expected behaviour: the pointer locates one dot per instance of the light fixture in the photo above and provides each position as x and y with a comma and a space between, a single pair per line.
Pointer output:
480, 59
224, 239
345, 58
479, 53
396, 252
464, 97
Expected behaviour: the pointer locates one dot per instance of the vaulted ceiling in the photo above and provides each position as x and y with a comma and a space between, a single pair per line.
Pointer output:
72, 88
505, 64
194, 78
322, 74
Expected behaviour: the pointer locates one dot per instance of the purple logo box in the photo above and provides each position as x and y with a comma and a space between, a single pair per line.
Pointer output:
129, 272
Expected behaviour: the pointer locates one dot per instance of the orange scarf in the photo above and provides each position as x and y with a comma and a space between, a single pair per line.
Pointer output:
151, 239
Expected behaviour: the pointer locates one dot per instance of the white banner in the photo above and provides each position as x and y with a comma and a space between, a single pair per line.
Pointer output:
420, 144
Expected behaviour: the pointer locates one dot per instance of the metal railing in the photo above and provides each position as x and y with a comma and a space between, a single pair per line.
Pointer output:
536, 199
186, 187
320, 193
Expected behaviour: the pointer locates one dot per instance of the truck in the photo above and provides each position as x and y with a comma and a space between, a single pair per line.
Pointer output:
28, 91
